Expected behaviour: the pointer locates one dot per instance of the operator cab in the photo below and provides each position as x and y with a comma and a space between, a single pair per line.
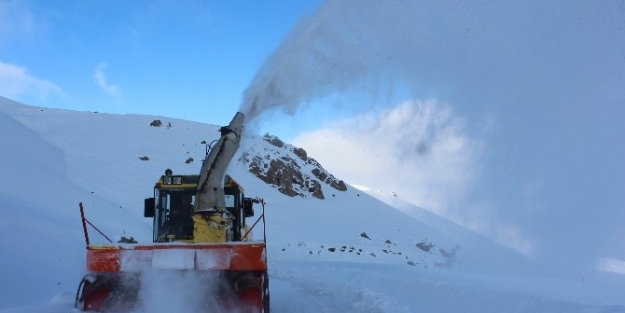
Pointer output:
172, 207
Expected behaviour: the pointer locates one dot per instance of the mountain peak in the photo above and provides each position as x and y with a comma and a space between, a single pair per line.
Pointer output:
289, 169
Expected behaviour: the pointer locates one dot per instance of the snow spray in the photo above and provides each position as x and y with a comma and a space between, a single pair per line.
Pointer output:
343, 45
173, 291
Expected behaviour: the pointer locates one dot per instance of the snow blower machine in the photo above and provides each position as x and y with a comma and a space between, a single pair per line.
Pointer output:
199, 229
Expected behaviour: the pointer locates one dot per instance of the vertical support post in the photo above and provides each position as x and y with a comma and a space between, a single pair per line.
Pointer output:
84, 222
262, 201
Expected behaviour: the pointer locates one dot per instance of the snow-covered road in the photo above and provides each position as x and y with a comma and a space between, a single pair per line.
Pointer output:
302, 286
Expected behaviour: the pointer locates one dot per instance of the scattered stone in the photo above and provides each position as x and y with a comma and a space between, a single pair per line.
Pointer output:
425, 246
124, 239
274, 140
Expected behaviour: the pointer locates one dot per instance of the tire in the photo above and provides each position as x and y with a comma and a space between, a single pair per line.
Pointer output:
266, 296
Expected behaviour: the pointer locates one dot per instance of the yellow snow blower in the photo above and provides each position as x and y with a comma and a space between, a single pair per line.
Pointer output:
199, 226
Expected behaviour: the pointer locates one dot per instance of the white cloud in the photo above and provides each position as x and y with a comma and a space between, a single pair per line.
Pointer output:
419, 149
15, 81
100, 79
16, 19
612, 266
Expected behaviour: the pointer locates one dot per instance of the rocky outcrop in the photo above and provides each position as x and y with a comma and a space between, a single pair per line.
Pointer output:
274, 140
301, 153
329, 179
289, 169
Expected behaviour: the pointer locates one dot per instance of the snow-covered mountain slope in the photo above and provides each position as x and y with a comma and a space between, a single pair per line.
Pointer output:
507, 259
348, 252
346, 225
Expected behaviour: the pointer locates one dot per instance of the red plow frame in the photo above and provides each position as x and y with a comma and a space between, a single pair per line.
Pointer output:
115, 270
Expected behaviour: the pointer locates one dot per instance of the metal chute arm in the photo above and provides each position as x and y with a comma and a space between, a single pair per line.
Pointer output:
210, 192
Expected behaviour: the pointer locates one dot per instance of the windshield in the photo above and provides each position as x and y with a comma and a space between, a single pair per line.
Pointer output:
173, 216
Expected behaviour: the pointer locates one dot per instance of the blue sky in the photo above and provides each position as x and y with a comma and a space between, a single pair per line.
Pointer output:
185, 59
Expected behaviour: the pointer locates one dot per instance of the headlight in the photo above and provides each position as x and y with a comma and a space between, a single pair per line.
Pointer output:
172, 180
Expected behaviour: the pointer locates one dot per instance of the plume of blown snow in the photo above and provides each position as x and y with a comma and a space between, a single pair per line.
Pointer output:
344, 44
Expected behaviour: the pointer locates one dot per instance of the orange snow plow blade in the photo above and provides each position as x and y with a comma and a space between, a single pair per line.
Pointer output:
236, 273
244, 256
